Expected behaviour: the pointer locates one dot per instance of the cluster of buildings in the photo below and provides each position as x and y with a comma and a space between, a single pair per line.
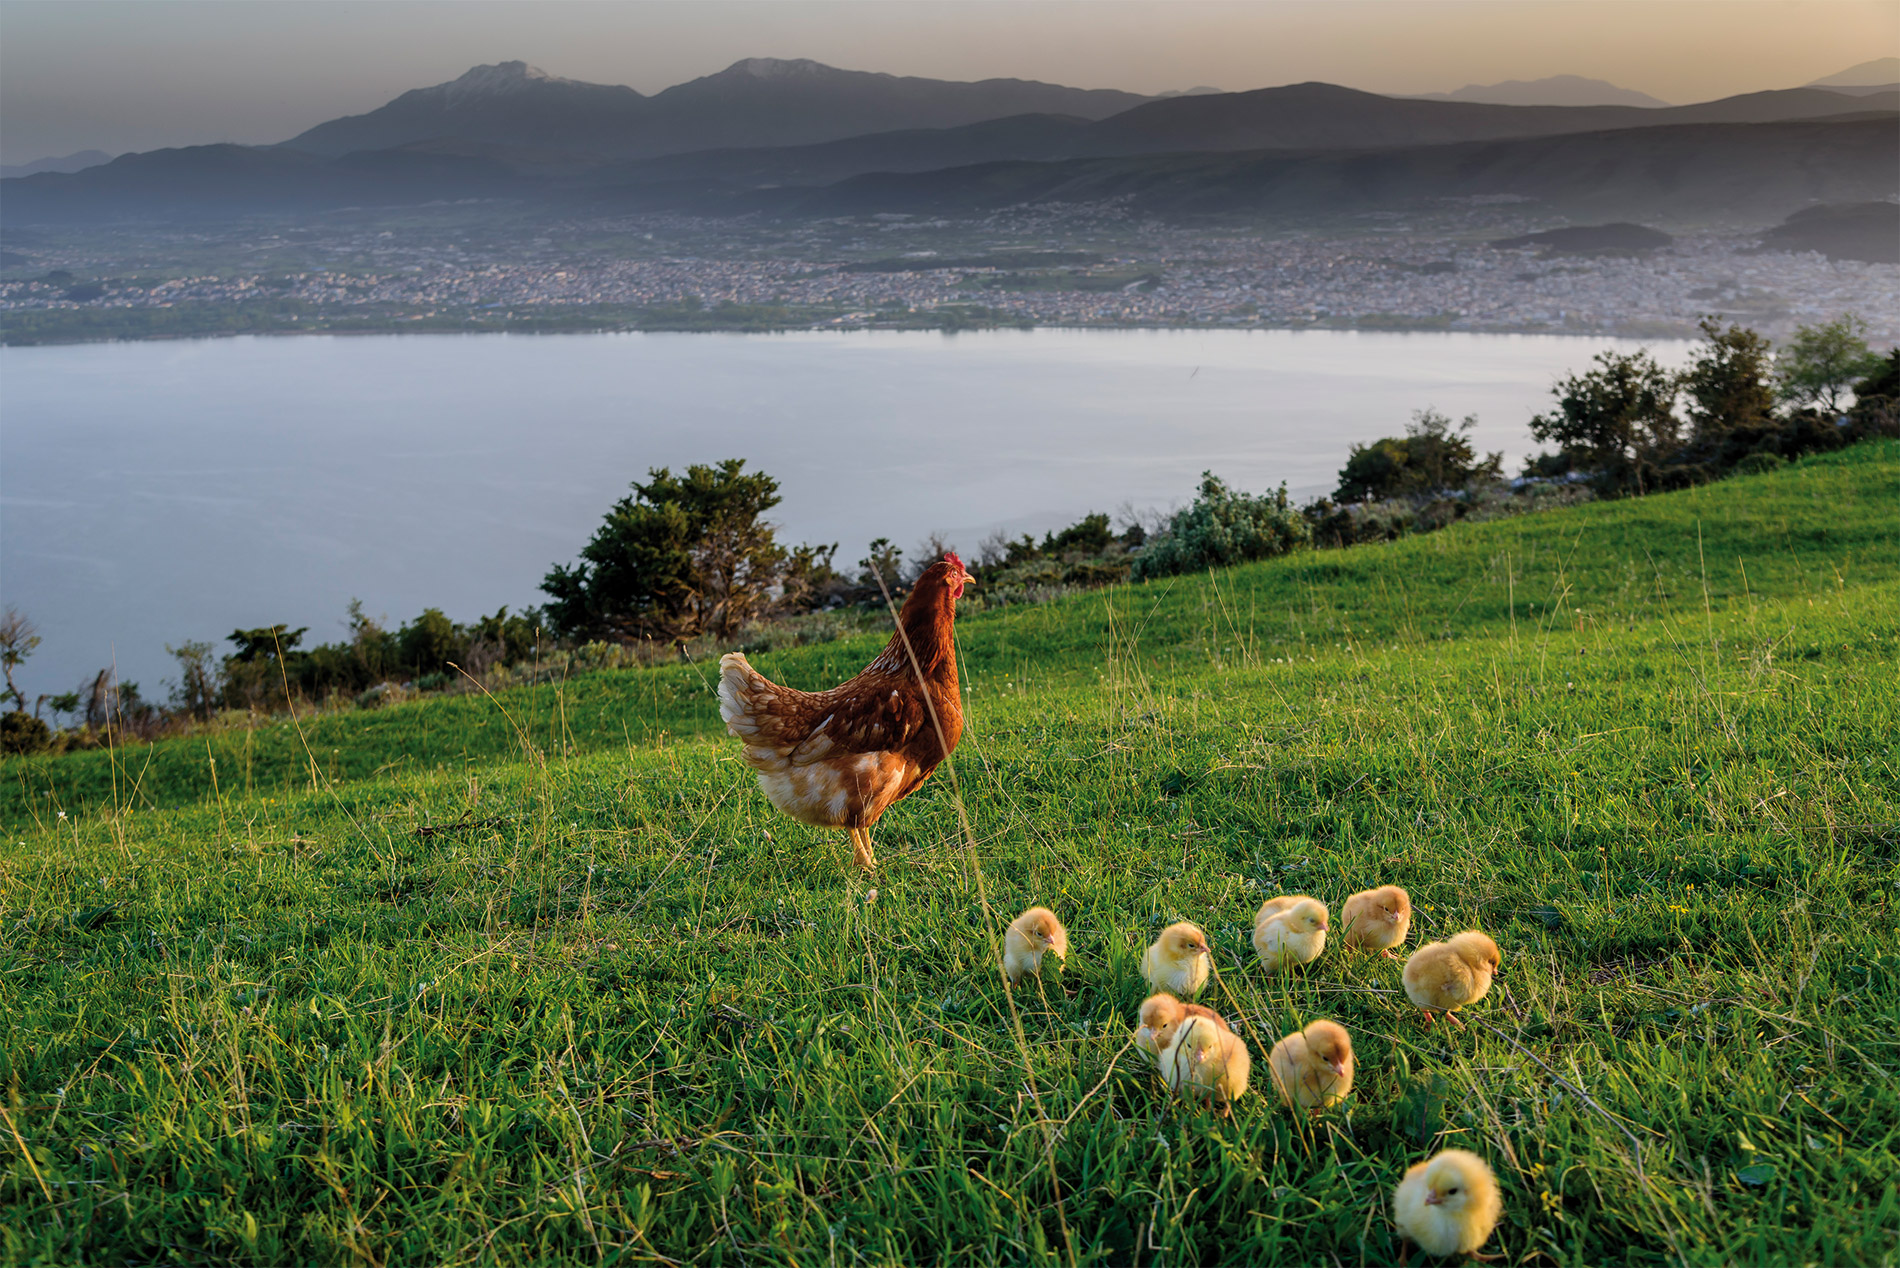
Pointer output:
1130, 275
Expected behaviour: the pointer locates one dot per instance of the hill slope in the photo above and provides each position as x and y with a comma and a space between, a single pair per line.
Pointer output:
597, 1001
1296, 117
1741, 171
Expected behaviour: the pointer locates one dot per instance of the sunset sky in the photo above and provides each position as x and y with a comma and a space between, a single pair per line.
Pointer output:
138, 74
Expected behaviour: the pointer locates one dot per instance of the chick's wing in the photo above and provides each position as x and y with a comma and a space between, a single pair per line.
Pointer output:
1449, 978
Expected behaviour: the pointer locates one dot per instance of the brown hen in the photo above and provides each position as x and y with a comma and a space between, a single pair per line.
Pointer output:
841, 758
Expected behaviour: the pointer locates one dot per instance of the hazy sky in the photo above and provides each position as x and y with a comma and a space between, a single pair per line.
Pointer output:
138, 74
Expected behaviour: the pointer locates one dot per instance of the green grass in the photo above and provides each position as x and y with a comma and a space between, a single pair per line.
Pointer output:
544, 979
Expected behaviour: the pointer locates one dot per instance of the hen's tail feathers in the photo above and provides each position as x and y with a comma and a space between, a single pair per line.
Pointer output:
740, 689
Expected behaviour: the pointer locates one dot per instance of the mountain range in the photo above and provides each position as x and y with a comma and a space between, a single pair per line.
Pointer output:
757, 101
1297, 117
1554, 90
58, 163
1881, 71
823, 140
1732, 171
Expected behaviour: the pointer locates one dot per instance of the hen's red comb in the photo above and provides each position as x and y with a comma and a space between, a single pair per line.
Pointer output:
950, 557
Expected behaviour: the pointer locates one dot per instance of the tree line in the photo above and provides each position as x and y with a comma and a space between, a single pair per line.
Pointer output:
689, 560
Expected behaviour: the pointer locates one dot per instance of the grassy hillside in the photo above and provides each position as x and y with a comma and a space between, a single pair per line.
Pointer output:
545, 979
1816, 527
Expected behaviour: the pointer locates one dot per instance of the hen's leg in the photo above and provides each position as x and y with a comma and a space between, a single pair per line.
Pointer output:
861, 848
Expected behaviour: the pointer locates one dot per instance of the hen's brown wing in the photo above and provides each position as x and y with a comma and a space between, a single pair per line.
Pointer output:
869, 714
874, 712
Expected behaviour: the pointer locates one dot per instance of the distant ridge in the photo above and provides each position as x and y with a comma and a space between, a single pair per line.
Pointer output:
1554, 90
757, 101
1294, 117
64, 163
1746, 172
1881, 70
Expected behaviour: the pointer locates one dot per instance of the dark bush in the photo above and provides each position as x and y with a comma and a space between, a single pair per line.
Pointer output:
24, 733
1223, 528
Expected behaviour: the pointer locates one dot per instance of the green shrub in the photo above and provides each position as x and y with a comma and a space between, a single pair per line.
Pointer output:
1759, 463
1223, 528
23, 733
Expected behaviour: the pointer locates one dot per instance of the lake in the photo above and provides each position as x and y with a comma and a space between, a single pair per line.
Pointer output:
152, 493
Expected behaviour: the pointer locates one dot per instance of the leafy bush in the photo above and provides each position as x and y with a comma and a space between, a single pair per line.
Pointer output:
1089, 535
23, 733
1222, 528
1821, 363
1876, 409
1433, 458
1617, 422
684, 555
1729, 382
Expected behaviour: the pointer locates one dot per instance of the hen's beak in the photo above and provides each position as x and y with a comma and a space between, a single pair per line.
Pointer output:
966, 580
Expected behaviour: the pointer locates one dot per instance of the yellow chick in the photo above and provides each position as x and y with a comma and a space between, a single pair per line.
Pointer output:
1289, 930
1208, 1061
1178, 961
1029, 937
1448, 1204
1449, 975
1162, 1015
1312, 1068
1377, 919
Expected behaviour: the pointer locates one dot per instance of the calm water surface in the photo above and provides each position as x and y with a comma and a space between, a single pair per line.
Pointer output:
156, 492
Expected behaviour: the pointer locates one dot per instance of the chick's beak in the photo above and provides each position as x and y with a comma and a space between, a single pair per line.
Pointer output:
1432, 1199
1337, 1067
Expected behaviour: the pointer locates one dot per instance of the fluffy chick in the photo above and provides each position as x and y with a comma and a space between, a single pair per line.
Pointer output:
1290, 930
1312, 1068
1449, 975
1448, 1204
1178, 961
1161, 1017
1377, 919
1208, 1061
1029, 937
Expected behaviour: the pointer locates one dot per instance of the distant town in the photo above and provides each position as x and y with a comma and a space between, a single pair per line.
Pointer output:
1093, 266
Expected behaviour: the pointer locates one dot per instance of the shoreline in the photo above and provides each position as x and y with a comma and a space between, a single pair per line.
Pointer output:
606, 326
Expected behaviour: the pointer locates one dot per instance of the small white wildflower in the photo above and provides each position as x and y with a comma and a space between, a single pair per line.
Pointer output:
870, 896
